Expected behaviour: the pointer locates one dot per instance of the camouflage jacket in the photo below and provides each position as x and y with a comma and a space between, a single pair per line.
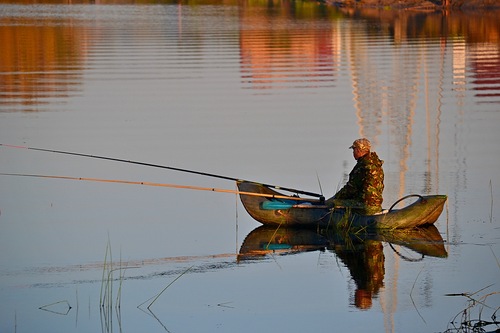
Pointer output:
365, 185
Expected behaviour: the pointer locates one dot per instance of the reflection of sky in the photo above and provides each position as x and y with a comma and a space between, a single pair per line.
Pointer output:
170, 92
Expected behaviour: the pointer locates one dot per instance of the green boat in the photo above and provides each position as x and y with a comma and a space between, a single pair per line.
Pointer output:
270, 207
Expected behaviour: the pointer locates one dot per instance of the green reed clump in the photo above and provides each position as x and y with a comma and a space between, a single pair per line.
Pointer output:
345, 226
108, 301
108, 278
105, 299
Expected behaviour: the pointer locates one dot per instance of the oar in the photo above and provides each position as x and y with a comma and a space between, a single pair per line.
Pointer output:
312, 194
275, 196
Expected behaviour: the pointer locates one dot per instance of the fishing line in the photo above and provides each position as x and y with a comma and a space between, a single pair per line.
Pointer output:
188, 187
164, 167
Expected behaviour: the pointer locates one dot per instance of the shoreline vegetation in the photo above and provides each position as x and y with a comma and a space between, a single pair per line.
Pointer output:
416, 5
420, 5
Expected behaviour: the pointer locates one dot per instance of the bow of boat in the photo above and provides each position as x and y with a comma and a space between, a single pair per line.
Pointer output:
424, 211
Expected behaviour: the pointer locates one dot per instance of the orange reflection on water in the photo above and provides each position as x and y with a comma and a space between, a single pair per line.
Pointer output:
282, 45
281, 50
485, 64
479, 31
40, 63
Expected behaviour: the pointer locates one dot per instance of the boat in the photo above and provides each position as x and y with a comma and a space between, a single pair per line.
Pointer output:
271, 207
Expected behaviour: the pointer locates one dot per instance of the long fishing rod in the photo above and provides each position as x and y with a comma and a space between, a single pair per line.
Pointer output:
188, 187
312, 194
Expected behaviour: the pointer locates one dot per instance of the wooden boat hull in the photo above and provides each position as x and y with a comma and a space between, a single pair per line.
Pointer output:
425, 211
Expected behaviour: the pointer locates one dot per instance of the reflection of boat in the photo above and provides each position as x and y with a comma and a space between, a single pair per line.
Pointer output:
426, 241
362, 253
424, 211
264, 240
271, 240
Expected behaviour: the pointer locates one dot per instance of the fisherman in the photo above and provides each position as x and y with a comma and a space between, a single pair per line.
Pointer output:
363, 191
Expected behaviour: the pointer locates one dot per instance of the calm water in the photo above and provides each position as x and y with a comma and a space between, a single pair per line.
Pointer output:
266, 91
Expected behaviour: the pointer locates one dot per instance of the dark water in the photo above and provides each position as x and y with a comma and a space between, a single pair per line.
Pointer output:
266, 91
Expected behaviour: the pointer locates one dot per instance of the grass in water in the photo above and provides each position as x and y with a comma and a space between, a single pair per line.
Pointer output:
154, 298
107, 300
345, 227
471, 319
61, 307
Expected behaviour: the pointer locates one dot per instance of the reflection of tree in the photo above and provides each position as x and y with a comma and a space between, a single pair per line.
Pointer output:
283, 48
479, 30
385, 88
485, 64
40, 61
475, 27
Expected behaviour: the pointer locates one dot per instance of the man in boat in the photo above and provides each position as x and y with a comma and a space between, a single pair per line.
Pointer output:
363, 191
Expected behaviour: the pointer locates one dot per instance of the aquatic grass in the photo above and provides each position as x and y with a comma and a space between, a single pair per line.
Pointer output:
491, 204
107, 300
149, 312
120, 282
54, 307
345, 227
107, 279
272, 236
411, 295
343, 224
155, 298
225, 305
346, 232
494, 256
77, 306
105, 274
471, 318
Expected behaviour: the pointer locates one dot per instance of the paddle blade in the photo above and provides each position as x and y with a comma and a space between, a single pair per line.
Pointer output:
274, 205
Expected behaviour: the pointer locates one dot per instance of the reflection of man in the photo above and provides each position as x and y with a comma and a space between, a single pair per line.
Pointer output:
373, 261
363, 191
366, 265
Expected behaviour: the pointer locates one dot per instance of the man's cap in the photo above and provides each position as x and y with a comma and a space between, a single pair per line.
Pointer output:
362, 144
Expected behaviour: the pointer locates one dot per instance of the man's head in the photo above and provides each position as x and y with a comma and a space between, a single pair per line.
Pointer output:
360, 148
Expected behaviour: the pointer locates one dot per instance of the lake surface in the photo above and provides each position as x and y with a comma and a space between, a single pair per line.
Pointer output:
274, 92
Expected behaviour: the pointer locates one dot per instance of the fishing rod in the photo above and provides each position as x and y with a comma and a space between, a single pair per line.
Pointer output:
211, 189
312, 194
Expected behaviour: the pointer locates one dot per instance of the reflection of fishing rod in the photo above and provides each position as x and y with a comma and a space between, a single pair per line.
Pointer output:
273, 196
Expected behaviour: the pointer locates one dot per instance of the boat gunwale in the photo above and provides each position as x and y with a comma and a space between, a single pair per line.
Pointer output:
292, 216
